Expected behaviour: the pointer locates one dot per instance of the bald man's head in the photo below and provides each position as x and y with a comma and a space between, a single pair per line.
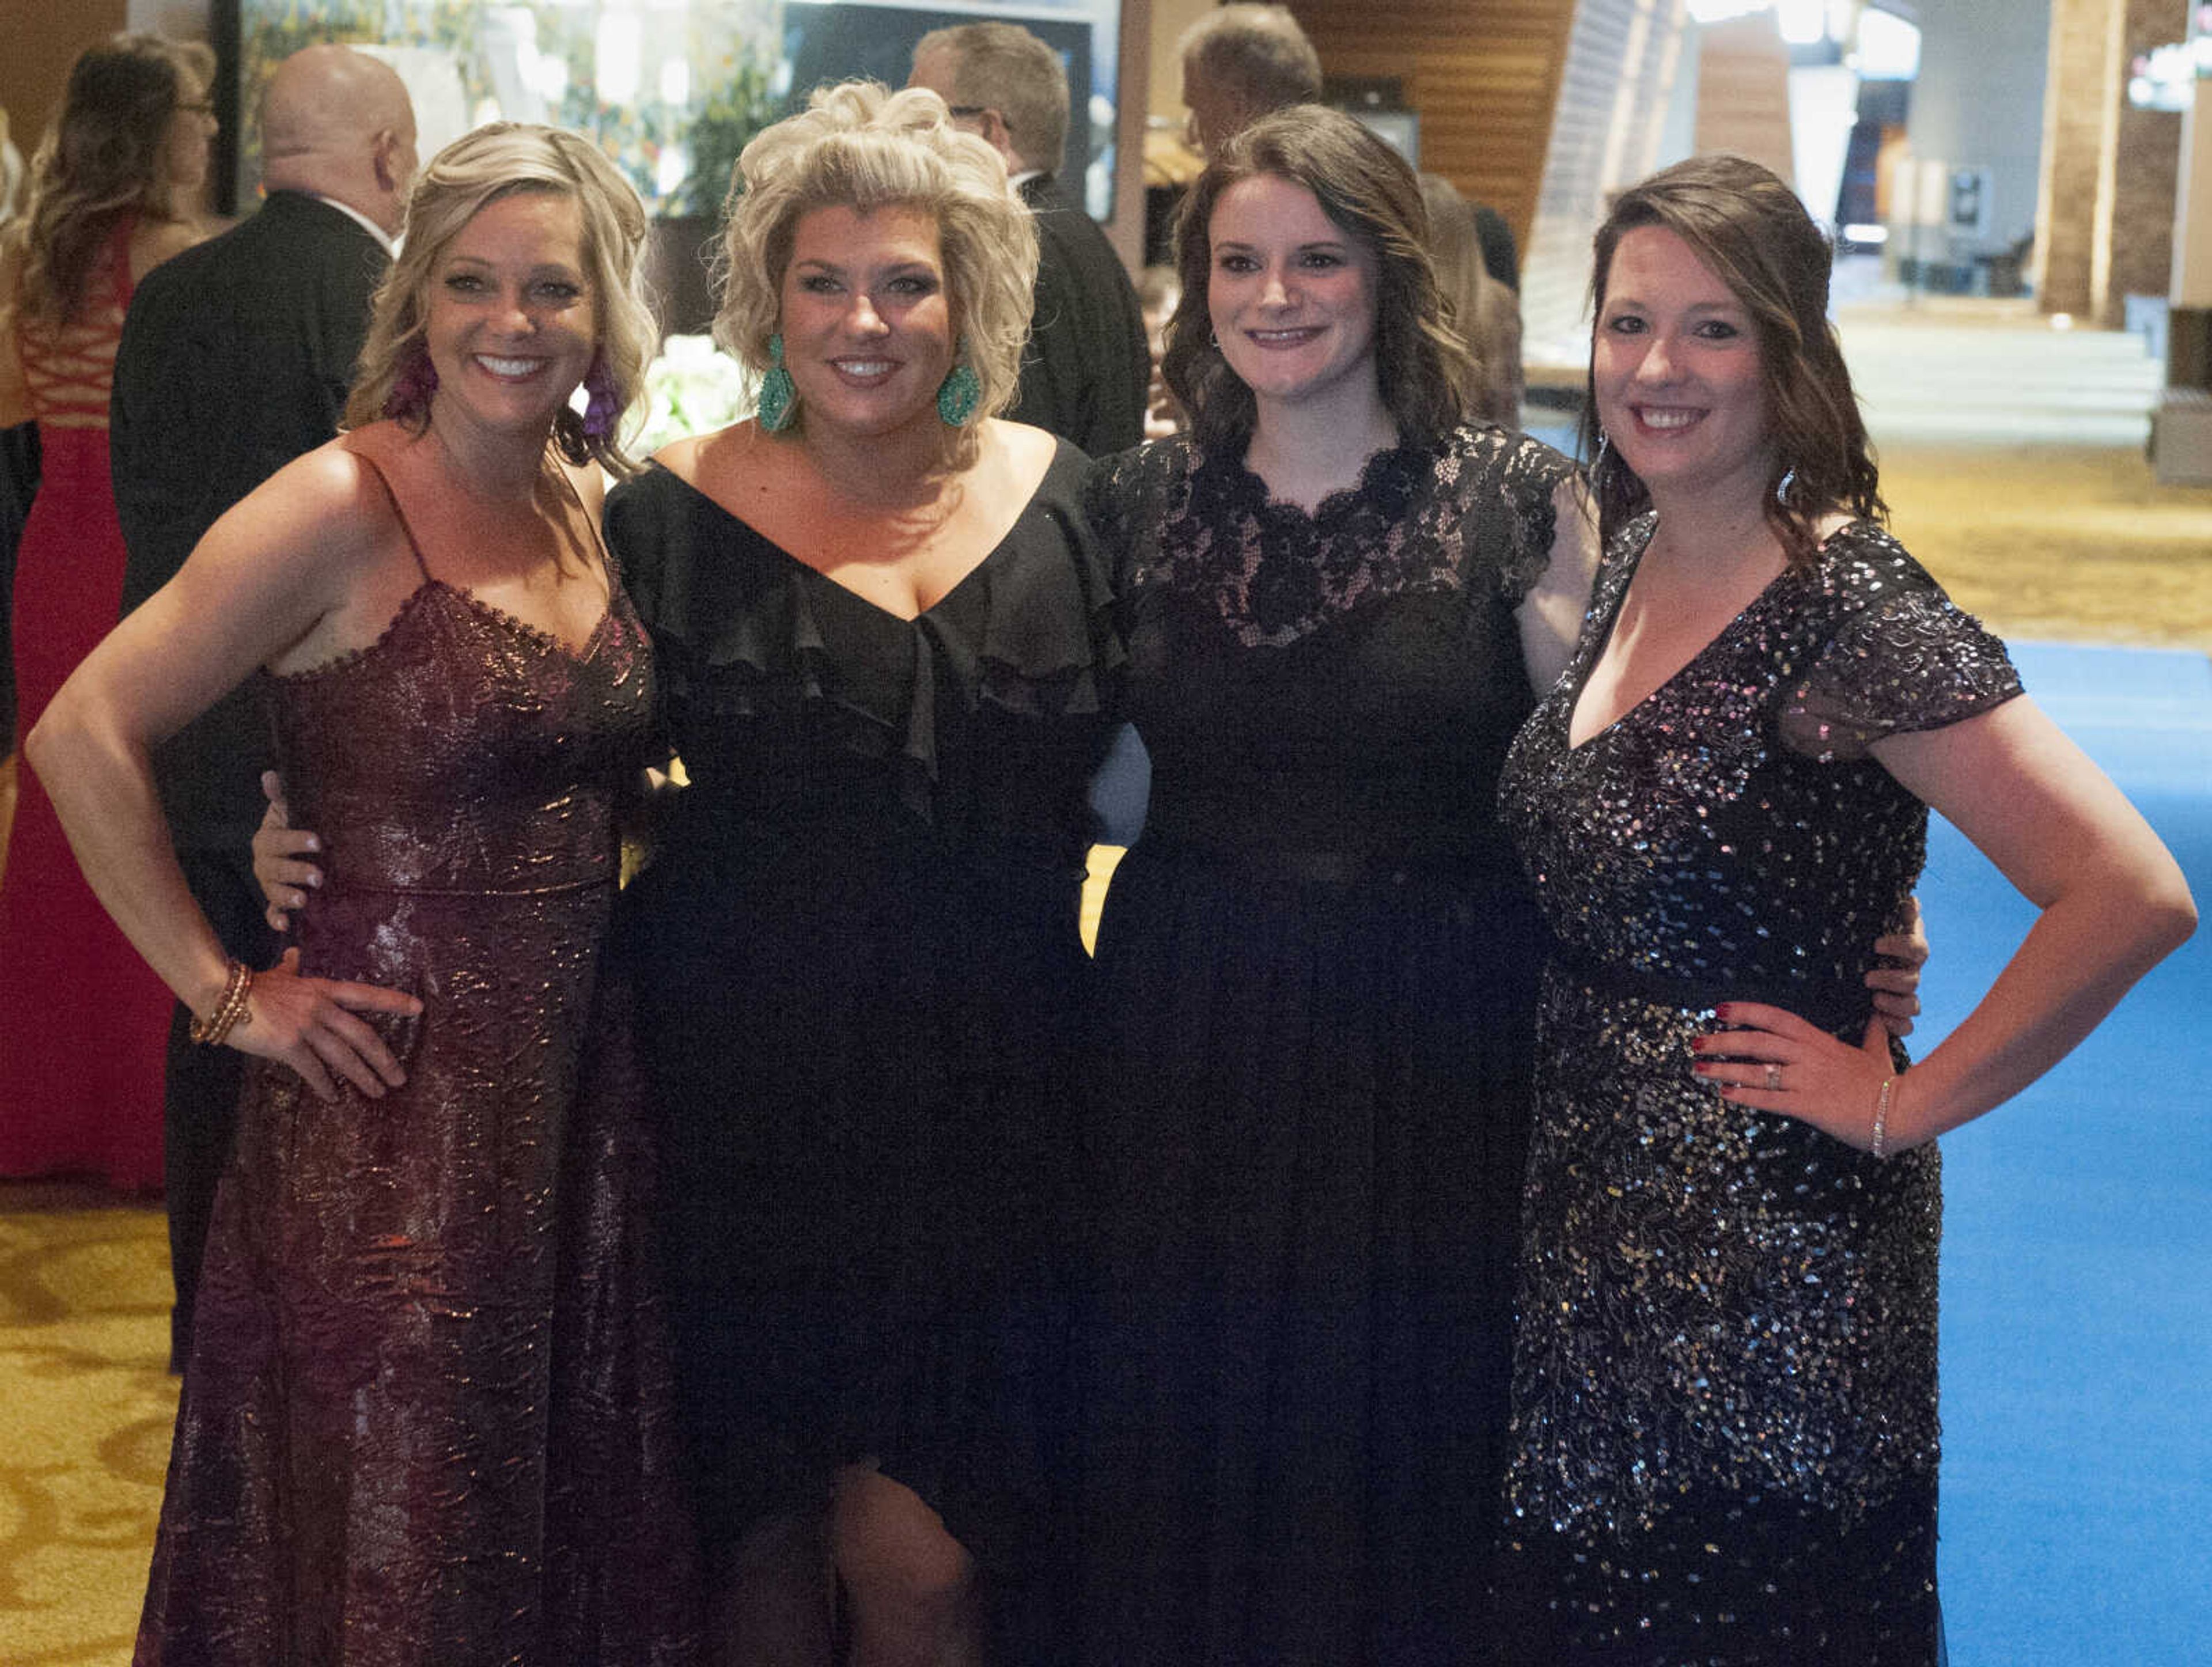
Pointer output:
336, 123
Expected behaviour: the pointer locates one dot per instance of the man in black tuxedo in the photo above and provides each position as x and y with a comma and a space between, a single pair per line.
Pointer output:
236, 357
1087, 369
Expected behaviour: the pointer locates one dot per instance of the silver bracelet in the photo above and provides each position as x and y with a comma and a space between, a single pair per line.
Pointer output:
1880, 1144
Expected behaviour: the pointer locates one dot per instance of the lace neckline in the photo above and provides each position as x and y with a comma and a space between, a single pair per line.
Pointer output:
550, 643
1389, 479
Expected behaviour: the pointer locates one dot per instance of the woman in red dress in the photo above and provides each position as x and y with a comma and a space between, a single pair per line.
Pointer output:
83, 1021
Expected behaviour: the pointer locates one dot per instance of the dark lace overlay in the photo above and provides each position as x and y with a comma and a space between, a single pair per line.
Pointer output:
1724, 1388
428, 1419
1308, 1098
1188, 522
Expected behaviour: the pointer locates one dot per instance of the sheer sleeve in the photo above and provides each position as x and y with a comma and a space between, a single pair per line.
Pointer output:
1910, 661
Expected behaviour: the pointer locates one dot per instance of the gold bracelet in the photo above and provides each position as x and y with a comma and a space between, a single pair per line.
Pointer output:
1879, 1146
229, 1011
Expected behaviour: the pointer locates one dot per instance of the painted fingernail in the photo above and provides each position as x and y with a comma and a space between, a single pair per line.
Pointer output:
314, 843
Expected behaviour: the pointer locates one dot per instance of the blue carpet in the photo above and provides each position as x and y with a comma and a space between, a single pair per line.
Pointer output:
2077, 1250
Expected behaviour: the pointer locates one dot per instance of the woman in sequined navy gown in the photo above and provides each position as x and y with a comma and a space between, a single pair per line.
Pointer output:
1308, 1096
1725, 1385
426, 1416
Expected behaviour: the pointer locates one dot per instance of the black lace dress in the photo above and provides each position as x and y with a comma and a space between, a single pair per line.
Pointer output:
1308, 1106
861, 975
1724, 1388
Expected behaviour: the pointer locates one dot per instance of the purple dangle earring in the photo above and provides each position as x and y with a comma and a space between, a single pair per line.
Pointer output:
412, 385
603, 404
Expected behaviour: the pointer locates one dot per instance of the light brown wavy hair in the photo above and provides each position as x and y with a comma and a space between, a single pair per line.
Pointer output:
1367, 190
101, 161
1750, 229
859, 146
505, 159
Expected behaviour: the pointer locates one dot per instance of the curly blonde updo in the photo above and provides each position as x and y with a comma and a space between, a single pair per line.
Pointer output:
859, 146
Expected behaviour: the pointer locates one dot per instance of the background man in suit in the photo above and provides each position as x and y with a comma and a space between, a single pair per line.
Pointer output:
1239, 62
1087, 370
235, 359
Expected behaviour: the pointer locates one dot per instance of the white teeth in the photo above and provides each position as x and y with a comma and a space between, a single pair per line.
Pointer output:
507, 367
864, 366
1280, 335
1668, 419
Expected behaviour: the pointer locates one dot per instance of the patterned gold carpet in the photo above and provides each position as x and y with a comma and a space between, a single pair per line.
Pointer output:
84, 1339
2013, 461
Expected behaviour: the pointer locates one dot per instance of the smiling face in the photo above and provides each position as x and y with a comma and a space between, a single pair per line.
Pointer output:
1676, 365
510, 322
868, 325
1291, 294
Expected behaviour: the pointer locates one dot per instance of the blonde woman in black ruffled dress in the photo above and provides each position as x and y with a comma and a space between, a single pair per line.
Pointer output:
1724, 1390
882, 631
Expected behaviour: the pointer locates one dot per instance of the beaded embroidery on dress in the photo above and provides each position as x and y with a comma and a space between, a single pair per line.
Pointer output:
1724, 1385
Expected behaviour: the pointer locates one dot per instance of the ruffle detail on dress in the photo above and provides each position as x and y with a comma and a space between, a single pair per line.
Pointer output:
732, 645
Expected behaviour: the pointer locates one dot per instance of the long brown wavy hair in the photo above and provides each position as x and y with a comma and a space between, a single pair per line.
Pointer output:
1367, 190
100, 161
1749, 228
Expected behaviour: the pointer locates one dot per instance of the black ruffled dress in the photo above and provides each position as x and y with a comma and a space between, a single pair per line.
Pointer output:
860, 975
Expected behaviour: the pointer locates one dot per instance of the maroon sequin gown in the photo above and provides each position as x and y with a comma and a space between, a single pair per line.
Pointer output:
424, 1420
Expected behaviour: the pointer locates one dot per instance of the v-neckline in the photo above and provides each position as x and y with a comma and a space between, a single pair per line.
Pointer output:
838, 585
551, 642
1603, 639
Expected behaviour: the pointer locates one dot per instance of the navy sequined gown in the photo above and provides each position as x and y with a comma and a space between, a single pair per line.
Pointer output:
1308, 1093
427, 1419
1724, 1384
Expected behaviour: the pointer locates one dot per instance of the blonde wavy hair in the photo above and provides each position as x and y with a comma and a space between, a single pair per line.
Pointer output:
861, 147
100, 161
505, 159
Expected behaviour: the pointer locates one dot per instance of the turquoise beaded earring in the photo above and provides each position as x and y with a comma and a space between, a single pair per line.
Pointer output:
779, 398
959, 394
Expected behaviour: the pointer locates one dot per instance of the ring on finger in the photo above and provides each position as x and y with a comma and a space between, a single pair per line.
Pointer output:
1773, 1079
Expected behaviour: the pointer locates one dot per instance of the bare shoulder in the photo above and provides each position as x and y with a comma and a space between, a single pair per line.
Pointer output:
153, 241
1017, 455
329, 507
696, 459
1026, 447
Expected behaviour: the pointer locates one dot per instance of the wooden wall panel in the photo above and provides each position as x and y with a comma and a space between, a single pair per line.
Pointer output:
39, 41
1484, 74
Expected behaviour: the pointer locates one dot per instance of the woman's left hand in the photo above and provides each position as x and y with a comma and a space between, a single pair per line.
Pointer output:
1776, 1061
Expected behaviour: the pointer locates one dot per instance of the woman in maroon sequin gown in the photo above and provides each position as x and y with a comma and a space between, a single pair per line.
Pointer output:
82, 1022
424, 1420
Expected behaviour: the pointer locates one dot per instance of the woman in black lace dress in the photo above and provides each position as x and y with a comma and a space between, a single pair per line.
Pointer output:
1303, 1154
1724, 1390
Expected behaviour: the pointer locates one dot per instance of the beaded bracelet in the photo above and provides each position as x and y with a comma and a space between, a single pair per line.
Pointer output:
1879, 1146
229, 1011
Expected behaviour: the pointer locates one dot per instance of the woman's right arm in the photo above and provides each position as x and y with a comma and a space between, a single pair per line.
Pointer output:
265, 576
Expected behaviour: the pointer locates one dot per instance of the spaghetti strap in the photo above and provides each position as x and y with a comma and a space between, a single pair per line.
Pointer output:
414, 547
608, 566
